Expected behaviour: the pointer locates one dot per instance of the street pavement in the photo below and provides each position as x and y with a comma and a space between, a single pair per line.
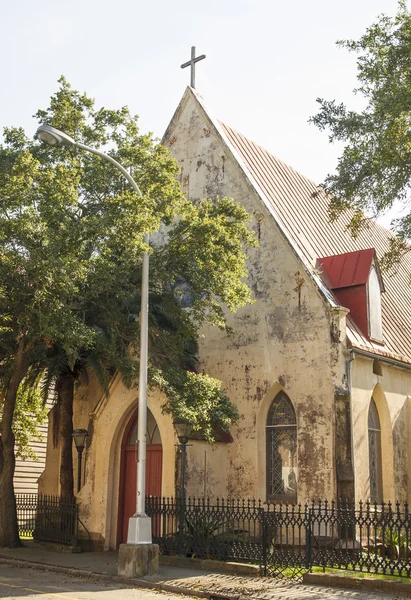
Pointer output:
46, 574
18, 582
24, 582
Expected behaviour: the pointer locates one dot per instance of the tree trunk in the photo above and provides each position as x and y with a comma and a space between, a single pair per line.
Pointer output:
66, 395
9, 531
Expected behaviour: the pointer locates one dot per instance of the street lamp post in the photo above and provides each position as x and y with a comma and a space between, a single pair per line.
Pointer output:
139, 528
183, 430
79, 436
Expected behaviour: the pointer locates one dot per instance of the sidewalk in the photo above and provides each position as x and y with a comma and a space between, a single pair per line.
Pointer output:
189, 581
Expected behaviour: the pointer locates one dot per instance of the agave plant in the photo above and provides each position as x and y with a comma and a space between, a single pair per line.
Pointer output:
203, 526
391, 542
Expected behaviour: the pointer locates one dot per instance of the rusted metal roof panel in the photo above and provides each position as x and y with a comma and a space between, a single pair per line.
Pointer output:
305, 220
347, 269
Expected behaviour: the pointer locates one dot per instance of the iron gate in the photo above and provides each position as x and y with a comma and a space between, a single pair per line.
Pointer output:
47, 518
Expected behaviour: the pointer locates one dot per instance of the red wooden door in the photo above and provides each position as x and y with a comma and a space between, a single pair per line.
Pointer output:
153, 482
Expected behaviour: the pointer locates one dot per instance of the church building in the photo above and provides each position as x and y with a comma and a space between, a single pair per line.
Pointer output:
319, 366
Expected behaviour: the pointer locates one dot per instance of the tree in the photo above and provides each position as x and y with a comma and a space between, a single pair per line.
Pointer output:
71, 246
374, 170
29, 414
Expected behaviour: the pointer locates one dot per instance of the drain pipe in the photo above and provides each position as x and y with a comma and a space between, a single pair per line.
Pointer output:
349, 382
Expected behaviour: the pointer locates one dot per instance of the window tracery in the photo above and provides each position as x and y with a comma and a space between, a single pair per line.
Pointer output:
281, 436
374, 451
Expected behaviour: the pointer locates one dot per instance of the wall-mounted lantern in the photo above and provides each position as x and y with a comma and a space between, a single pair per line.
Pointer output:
79, 436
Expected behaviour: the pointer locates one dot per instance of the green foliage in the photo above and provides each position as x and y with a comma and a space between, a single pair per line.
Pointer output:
30, 412
205, 251
205, 526
198, 400
374, 170
391, 542
71, 246
202, 529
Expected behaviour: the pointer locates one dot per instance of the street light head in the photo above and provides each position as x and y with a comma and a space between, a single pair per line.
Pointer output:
183, 429
53, 137
79, 436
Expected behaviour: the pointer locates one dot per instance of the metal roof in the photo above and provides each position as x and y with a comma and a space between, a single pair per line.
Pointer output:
305, 221
348, 269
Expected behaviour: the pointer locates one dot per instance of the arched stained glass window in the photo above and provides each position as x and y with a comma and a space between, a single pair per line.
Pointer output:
374, 450
281, 432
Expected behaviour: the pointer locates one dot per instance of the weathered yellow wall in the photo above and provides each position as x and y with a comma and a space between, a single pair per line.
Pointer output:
107, 422
283, 341
206, 469
391, 394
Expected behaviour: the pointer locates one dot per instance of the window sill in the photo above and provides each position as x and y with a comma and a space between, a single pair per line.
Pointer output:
282, 499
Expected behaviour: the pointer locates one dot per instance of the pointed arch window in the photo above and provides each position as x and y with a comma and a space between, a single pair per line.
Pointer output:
281, 436
153, 433
374, 451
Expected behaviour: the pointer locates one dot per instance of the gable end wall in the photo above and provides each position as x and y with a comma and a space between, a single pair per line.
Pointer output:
288, 339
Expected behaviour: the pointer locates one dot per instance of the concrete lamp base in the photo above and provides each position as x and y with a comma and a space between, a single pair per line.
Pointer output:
139, 530
138, 560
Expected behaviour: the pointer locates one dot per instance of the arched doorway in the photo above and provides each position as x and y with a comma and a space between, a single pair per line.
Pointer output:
128, 471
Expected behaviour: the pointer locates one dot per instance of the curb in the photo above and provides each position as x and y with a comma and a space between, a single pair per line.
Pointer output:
362, 584
94, 576
233, 568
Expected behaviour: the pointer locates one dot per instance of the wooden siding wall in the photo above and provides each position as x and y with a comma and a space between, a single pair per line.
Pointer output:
28, 471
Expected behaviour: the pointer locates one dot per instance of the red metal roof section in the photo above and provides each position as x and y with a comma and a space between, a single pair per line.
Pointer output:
355, 299
348, 269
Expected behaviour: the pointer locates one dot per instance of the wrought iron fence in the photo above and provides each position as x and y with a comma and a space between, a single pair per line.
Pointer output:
225, 529
47, 518
371, 538
26, 513
284, 539
287, 539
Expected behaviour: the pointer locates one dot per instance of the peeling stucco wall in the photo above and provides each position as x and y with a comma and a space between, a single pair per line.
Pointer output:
288, 339
99, 497
391, 393
106, 420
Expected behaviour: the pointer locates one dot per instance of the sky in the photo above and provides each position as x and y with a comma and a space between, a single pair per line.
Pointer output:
266, 63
